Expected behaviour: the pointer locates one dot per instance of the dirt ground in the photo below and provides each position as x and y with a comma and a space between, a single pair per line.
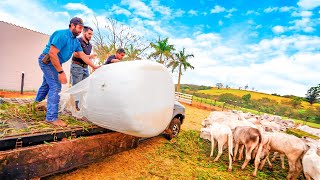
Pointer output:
15, 94
131, 164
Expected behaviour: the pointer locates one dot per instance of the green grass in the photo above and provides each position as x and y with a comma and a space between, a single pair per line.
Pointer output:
34, 120
301, 134
187, 157
254, 95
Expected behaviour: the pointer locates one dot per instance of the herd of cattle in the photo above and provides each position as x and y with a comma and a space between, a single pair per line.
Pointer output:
259, 136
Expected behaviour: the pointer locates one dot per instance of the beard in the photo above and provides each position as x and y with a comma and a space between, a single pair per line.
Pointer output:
87, 39
75, 32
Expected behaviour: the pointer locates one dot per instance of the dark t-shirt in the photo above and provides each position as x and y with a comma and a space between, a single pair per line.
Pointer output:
110, 58
86, 49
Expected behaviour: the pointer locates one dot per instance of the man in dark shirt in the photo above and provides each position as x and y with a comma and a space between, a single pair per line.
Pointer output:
120, 53
79, 69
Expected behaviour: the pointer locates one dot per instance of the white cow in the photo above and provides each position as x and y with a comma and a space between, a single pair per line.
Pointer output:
311, 162
292, 147
222, 134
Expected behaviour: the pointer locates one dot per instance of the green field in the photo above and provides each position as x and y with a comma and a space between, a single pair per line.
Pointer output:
254, 95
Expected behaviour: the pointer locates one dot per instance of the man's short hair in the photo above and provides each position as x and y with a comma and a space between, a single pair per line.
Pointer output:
120, 50
86, 28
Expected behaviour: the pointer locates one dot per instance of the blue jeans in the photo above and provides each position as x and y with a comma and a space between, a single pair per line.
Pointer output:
78, 73
51, 86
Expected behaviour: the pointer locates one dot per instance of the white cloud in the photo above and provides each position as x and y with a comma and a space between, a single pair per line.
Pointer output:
228, 15
258, 26
220, 23
302, 14
260, 65
286, 8
278, 29
193, 12
18, 12
161, 9
279, 9
309, 4
304, 24
217, 9
179, 13
78, 6
119, 10
271, 9
139, 7
252, 12
232, 10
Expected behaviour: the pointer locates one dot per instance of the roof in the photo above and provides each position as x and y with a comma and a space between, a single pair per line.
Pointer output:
23, 27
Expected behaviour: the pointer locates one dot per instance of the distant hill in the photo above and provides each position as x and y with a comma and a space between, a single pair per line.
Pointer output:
254, 95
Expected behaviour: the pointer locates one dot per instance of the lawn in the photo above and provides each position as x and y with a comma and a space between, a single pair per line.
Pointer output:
185, 157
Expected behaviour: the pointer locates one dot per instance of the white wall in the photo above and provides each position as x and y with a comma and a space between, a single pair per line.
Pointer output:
19, 52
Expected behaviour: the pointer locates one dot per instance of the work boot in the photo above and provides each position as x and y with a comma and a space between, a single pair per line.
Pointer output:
58, 122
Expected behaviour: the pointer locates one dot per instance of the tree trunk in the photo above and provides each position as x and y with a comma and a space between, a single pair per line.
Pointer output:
179, 77
161, 59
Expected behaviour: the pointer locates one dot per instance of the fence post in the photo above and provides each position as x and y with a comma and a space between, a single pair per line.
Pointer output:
22, 82
223, 106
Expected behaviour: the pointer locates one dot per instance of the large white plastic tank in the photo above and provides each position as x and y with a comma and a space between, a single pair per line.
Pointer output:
134, 97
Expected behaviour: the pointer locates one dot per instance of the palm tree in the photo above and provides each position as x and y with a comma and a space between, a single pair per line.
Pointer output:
104, 51
162, 50
132, 53
181, 62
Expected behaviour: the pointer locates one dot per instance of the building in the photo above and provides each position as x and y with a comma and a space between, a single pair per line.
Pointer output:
19, 52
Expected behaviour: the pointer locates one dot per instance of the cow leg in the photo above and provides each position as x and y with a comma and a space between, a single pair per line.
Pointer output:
220, 146
230, 160
282, 161
262, 163
241, 152
213, 146
275, 154
298, 169
292, 168
235, 151
307, 176
248, 156
269, 163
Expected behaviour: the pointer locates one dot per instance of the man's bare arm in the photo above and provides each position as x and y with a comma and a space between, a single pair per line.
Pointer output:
53, 53
115, 60
86, 59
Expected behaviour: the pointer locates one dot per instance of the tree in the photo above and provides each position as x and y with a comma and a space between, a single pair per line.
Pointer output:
132, 53
246, 87
313, 94
246, 98
219, 85
181, 61
163, 51
115, 35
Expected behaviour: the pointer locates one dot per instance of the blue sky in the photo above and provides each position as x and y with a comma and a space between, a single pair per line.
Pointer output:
272, 45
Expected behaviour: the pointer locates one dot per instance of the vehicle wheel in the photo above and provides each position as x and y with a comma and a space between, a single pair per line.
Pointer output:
174, 129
